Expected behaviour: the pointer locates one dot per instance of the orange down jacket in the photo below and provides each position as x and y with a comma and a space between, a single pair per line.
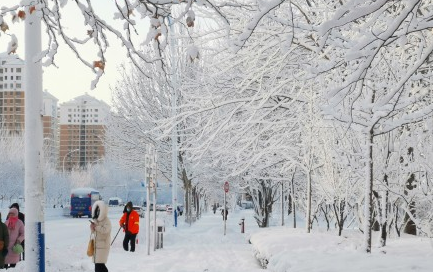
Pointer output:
133, 225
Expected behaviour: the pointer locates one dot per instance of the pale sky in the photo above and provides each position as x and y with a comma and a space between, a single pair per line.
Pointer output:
72, 78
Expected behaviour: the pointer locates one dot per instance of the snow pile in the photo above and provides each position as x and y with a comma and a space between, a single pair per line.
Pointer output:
283, 249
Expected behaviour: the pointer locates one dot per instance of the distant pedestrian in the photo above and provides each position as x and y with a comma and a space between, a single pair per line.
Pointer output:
101, 228
16, 236
180, 210
214, 208
224, 213
21, 217
130, 222
4, 242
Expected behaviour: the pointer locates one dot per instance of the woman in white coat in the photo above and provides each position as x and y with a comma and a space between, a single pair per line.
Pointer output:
101, 229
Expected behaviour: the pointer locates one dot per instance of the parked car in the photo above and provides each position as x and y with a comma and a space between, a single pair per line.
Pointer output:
139, 210
115, 201
160, 208
169, 209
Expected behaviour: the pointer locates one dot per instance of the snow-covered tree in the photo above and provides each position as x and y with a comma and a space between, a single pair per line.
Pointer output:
377, 72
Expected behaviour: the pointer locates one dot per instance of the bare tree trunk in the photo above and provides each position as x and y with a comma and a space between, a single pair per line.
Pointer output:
384, 215
309, 195
293, 200
368, 194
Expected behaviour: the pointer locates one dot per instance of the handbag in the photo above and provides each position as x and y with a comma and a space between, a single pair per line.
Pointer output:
18, 248
91, 247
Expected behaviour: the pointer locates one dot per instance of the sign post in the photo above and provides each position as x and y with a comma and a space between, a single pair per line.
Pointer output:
226, 190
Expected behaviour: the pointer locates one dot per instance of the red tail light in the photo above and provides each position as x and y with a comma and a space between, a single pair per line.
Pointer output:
72, 195
90, 208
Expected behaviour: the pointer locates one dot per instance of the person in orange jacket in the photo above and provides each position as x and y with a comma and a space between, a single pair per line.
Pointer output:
130, 223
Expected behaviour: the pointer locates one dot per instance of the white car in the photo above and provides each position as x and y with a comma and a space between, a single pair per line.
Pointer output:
139, 210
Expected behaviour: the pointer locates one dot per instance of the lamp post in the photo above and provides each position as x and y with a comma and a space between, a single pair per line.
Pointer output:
33, 181
150, 180
64, 157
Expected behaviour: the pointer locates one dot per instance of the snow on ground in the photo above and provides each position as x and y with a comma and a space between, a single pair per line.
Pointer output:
196, 248
202, 247
288, 249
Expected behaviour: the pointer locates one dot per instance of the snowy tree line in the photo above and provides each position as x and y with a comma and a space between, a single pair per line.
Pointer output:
110, 178
330, 98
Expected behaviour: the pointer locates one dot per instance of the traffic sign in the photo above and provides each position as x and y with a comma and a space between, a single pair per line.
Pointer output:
226, 187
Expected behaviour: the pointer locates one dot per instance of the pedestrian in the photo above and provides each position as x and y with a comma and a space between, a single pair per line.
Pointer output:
214, 208
180, 210
101, 228
16, 236
224, 213
4, 242
130, 222
20, 214
22, 218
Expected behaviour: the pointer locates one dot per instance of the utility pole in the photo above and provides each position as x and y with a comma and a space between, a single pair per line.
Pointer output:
174, 134
147, 182
34, 184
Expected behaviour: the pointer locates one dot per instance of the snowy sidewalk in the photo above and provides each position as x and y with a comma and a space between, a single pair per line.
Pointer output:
201, 247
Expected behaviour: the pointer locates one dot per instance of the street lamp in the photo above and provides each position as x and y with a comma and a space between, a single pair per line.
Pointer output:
64, 157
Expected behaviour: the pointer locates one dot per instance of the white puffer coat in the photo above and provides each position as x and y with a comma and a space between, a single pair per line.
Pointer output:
102, 233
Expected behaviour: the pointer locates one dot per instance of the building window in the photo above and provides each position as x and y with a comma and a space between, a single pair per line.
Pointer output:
1, 86
18, 77
18, 85
11, 85
96, 110
12, 70
69, 110
6, 77
18, 70
6, 70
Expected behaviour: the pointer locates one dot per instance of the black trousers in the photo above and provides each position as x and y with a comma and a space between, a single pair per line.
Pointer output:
100, 267
129, 238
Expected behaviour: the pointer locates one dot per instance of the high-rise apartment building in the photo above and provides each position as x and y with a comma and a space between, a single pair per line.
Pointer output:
50, 128
11, 93
82, 131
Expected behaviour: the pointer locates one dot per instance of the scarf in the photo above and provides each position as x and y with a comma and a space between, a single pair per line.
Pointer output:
12, 220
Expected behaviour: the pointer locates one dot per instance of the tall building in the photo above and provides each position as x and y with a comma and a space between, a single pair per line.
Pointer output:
11, 93
50, 127
82, 131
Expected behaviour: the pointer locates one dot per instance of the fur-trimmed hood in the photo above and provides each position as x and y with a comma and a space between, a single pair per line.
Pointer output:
103, 210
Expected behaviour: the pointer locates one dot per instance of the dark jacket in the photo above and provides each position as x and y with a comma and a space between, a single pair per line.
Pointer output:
4, 236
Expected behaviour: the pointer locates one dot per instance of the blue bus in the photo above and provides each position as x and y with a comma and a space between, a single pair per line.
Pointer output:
82, 200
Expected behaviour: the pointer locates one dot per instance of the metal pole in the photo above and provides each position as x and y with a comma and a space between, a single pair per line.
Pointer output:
154, 199
34, 184
173, 112
147, 181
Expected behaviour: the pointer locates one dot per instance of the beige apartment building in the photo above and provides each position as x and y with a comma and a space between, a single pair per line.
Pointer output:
82, 131
11, 93
51, 128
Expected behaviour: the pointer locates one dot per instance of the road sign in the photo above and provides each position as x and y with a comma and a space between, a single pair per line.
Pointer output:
226, 187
